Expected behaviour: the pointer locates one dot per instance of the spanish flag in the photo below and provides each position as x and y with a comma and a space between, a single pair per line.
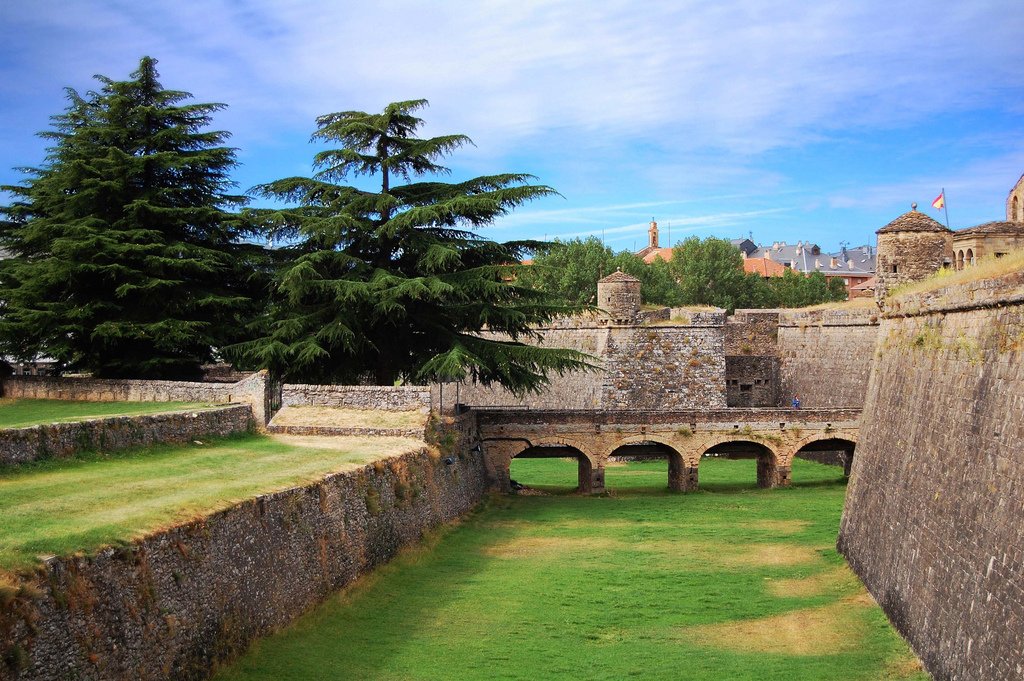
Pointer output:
940, 200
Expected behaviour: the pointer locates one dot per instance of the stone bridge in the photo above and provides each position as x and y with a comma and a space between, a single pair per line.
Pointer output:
592, 437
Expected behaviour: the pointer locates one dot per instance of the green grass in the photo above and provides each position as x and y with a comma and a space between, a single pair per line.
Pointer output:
728, 583
18, 413
61, 507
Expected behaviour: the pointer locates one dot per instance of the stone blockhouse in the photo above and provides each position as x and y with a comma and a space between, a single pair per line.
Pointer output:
910, 248
989, 239
618, 296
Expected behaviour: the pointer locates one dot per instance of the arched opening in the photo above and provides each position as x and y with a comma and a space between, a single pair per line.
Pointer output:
969, 257
823, 461
554, 469
960, 259
640, 466
725, 466
1016, 212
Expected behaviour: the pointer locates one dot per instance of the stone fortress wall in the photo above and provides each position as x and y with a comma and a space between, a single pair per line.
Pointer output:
175, 603
62, 440
678, 364
933, 518
252, 390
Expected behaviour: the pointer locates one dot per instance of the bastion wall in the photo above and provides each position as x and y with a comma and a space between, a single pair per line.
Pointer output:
825, 356
933, 516
674, 364
252, 390
62, 440
175, 603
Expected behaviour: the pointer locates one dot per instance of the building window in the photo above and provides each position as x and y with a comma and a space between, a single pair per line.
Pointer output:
894, 268
745, 388
1000, 255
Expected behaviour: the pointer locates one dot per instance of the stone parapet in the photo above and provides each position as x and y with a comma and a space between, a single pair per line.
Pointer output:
378, 397
252, 390
178, 602
63, 440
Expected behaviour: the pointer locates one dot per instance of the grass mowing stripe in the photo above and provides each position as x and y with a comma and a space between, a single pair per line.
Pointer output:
739, 583
20, 413
60, 507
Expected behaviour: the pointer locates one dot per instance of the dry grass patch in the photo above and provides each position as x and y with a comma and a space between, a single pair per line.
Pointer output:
364, 449
838, 580
779, 526
341, 417
987, 268
826, 630
734, 555
532, 547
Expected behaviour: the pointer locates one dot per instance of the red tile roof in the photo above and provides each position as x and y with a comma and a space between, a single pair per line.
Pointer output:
766, 267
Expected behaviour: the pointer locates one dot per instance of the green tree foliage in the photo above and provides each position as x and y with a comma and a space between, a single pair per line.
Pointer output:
710, 272
395, 283
570, 269
125, 257
793, 289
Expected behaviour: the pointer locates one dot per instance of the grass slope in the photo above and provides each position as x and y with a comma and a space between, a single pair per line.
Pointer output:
18, 413
60, 507
729, 583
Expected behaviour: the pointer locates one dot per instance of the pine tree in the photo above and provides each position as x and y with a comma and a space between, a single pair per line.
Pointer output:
395, 284
126, 259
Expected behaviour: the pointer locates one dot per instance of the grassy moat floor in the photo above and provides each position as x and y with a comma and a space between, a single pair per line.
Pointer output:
19, 413
65, 506
730, 583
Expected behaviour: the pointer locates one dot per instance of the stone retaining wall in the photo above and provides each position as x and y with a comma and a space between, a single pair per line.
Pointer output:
933, 516
825, 356
380, 397
62, 440
172, 605
252, 390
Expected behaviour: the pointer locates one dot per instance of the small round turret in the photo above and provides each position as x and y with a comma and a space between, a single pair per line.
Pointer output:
618, 296
910, 248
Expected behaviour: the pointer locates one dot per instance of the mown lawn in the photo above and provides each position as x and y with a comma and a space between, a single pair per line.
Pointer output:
18, 413
60, 507
729, 583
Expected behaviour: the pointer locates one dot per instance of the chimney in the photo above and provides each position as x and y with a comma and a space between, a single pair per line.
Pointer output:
768, 254
652, 234
834, 262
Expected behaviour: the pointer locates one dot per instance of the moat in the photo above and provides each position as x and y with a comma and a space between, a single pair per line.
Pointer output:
732, 582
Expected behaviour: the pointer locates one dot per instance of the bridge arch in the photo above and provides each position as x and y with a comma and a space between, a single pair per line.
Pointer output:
772, 469
590, 474
845, 442
682, 475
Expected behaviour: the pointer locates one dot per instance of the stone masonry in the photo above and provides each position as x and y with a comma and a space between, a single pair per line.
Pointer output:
62, 440
174, 604
933, 516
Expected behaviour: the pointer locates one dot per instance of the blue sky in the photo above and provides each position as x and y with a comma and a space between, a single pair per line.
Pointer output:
817, 120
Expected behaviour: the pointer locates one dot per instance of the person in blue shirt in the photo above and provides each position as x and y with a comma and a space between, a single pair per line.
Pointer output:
796, 401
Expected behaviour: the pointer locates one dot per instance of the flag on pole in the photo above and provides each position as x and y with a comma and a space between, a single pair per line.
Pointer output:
940, 200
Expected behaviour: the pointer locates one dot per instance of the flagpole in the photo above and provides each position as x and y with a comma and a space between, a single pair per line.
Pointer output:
944, 208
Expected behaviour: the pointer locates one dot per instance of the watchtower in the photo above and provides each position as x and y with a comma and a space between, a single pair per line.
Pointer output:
910, 248
618, 296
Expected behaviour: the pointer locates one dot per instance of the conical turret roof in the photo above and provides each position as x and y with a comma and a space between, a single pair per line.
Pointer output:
913, 221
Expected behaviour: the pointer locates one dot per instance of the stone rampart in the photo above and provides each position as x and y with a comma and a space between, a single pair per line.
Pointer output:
678, 365
62, 440
825, 356
377, 397
252, 390
174, 604
933, 515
